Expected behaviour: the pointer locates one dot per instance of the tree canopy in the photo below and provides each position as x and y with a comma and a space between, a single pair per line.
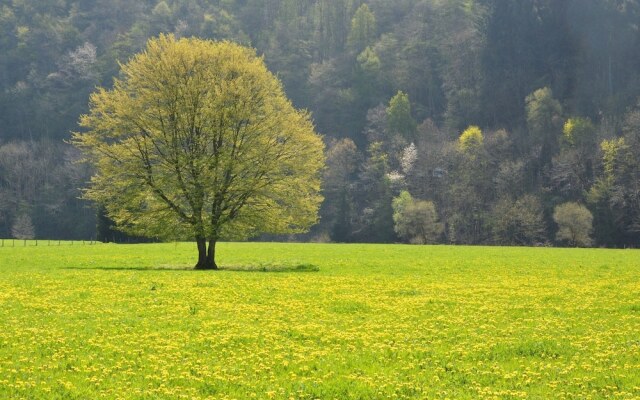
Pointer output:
574, 224
197, 140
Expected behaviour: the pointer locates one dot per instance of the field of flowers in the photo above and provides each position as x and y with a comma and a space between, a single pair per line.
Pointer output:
293, 321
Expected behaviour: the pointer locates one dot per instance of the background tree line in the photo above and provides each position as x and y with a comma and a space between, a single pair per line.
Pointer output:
454, 121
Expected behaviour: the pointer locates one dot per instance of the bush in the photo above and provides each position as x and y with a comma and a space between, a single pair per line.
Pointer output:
416, 221
575, 224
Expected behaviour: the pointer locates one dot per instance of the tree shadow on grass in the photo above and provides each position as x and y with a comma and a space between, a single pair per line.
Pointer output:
273, 268
235, 268
168, 269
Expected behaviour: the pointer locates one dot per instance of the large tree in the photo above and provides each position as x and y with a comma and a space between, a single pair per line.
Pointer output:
196, 139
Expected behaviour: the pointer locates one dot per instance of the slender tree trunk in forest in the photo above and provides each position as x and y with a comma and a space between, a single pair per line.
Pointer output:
206, 259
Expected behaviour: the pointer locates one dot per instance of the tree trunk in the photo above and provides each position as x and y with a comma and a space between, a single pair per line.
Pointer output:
206, 259
211, 254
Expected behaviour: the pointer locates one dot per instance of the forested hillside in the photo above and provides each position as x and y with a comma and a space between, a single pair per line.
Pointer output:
446, 121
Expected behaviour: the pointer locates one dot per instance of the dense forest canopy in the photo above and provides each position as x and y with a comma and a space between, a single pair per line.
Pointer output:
457, 121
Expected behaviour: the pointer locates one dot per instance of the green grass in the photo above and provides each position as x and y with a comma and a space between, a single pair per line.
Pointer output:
313, 321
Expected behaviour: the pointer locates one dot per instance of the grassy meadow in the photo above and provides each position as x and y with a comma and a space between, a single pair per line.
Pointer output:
319, 321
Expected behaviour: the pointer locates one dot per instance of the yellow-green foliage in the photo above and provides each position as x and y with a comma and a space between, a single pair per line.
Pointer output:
615, 157
363, 28
374, 322
610, 152
542, 111
399, 119
197, 139
471, 138
578, 131
415, 221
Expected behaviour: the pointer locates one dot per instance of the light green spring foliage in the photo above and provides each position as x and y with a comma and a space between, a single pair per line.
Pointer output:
197, 139
401, 203
399, 119
375, 322
363, 29
617, 157
472, 138
611, 150
542, 111
575, 224
578, 132
369, 62
415, 221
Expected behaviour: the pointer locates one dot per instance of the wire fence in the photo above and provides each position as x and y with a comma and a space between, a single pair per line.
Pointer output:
46, 242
